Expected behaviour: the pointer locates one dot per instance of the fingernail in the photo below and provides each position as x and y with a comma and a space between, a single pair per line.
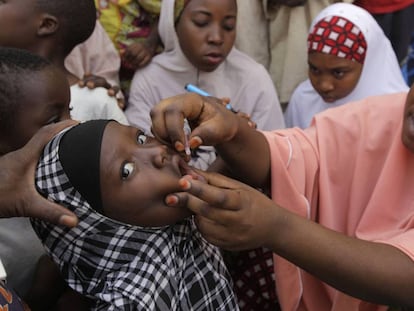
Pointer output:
195, 142
68, 221
184, 183
171, 200
179, 146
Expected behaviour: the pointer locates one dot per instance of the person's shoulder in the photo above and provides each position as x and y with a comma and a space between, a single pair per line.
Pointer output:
379, 109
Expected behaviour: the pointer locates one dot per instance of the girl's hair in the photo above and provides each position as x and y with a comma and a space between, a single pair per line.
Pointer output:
17, 66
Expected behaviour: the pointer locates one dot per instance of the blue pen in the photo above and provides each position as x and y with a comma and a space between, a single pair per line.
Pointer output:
192, 88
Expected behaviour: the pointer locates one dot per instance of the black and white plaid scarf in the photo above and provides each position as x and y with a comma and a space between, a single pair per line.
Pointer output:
125, 267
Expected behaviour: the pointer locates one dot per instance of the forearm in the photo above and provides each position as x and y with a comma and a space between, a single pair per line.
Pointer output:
247, 156
370, 271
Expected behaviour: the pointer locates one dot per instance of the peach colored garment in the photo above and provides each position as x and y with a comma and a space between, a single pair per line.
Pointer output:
352, 161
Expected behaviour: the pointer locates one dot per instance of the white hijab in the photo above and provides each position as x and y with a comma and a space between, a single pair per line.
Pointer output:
381, 73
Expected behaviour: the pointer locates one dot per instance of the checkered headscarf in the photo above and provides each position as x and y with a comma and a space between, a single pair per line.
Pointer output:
126, 267
338, 36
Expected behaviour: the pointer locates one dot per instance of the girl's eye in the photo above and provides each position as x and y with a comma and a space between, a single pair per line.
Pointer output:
141, 138
126, 170
313, 69
339, 74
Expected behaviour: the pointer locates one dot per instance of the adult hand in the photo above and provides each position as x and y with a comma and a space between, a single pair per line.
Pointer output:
18, 195
211, 122
229, 214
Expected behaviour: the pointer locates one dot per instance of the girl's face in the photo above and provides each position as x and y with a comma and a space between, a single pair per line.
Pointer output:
333, 77
206, 32
136, 174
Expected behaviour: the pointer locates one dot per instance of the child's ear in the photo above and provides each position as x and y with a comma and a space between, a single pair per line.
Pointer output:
49, 25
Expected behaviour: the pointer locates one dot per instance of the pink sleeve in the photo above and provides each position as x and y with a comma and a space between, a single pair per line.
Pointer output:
294, 170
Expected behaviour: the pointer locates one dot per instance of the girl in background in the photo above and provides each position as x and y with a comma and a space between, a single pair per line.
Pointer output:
198, 38
349, 58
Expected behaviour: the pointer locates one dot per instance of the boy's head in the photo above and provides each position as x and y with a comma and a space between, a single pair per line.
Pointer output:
33, 93
206, 31
46, 24
336, 55
118, 171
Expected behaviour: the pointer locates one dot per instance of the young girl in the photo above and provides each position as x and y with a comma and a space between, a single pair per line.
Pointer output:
198, 38
129, 250
349, 58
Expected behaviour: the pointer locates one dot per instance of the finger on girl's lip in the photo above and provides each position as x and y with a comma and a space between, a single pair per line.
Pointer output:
189, 173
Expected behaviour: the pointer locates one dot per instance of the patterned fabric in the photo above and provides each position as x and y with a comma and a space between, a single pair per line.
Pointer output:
338, 36
9, 300
125, 267
127, 21
253, 277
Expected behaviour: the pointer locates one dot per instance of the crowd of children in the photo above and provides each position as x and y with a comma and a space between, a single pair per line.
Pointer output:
127, 243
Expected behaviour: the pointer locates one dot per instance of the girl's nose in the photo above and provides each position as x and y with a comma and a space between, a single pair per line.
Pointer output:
159, 155
215, 35
153, 154
325, 85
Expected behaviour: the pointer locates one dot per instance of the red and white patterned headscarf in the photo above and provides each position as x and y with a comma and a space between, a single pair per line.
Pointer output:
338, 36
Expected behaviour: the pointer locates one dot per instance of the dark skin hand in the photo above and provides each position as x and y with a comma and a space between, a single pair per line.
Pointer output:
91, 81
139, 54
18, 195
236, 141
235, 216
